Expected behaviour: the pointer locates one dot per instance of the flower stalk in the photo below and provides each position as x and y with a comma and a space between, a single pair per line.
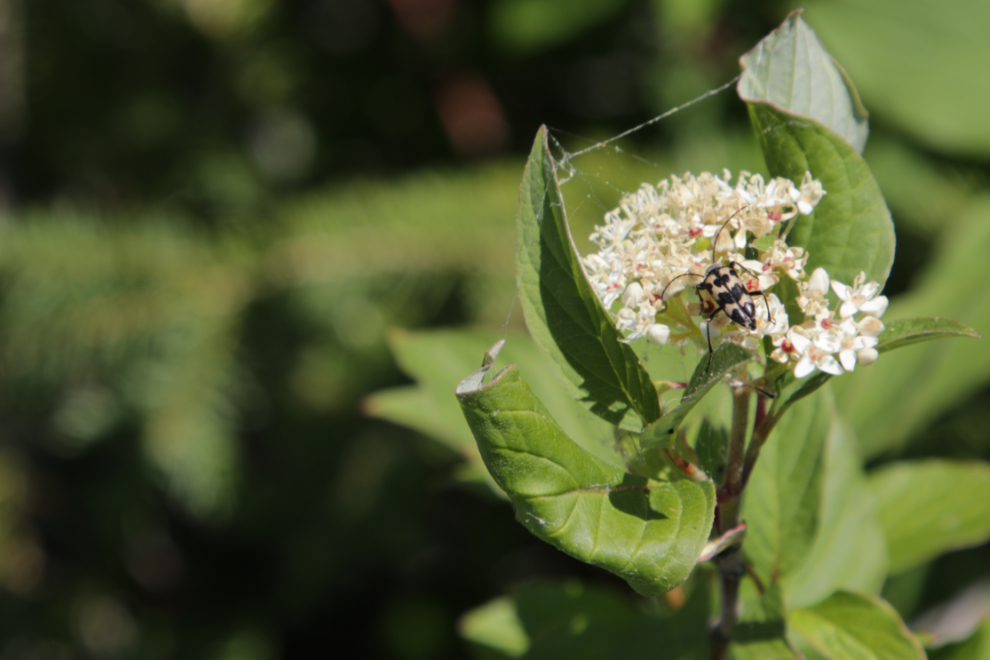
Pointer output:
730, 563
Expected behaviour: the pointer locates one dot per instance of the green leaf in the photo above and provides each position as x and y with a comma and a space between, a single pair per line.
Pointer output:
850, 550
791, 70
712, 446
905, 332
851, 626
727, 358
795, 390
438, 359
782, 499
804, 110
760, 633
648, 532
850, 230
565, 318
930, 507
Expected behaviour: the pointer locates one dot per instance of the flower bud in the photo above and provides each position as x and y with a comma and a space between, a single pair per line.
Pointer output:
819, 281
658, 334
867, 356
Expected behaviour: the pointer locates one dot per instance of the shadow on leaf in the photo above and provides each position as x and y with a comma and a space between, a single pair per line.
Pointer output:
632, 496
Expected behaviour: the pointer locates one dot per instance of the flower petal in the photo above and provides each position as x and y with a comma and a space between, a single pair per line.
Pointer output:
830, 366
848, 359
848, 309
841, 290
875, 307
804, 367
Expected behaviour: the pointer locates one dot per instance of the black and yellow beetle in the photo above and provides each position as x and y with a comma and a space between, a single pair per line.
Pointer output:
726, 291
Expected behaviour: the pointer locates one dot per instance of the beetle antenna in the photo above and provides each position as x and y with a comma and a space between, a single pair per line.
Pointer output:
727, 221
767, 301
664, 292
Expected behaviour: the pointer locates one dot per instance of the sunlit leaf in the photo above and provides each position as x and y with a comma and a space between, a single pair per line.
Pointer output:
648, 532
565, 318
930, 507
797, 99
437, 360
848, 625
850, 230
790, 70
905, 332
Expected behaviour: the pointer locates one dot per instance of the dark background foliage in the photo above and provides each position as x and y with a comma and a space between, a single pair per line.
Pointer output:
215, 210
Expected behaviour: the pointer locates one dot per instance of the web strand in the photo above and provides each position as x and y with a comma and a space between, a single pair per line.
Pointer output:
650, 122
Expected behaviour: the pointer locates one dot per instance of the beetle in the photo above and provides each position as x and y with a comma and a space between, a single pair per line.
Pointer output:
726, 290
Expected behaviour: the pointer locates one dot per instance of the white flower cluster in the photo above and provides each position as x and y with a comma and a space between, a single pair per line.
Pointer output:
658, 243
815, 343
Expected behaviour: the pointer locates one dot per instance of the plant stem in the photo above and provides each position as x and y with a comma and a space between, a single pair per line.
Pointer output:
731, 567
737, 447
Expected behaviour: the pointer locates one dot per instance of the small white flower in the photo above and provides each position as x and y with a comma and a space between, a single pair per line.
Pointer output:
606, 278
854, 345
815, 353
789, 259
633, 295
640, 322
816, 357
812, 300
764, 325
625, 319
757, 275
860, 297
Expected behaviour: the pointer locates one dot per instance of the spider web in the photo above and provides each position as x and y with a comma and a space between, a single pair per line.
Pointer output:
595, 174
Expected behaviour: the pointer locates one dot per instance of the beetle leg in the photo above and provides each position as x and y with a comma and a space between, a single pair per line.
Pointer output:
711, 351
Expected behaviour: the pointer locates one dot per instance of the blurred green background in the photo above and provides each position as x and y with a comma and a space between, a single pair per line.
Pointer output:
215, 215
